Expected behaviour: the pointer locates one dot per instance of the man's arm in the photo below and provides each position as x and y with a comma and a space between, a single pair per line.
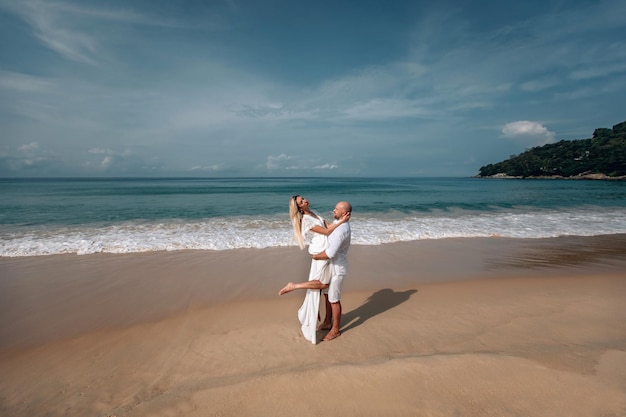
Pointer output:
334, 242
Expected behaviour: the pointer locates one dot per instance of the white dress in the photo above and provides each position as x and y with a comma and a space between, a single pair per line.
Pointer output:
320, 270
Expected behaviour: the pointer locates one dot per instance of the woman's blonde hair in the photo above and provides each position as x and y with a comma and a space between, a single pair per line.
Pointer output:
296, 221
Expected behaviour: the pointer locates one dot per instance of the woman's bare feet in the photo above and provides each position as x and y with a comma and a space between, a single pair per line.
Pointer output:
325, 326
287, 288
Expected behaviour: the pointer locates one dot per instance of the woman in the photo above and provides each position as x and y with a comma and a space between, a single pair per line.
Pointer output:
305, 220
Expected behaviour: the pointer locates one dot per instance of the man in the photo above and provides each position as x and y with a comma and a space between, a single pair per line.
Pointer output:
337, 251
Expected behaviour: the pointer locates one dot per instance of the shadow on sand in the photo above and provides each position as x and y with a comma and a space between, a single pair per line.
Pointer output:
377, 303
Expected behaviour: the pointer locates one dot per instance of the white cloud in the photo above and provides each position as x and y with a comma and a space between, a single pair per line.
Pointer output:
30, 162
100, 151
106, 162
327, 166
208, 168
532, 133
276, 162
539, 85
105, 151
111, 159
598, 71
52, 29
23, 82
386, 109
60, 26
28, 147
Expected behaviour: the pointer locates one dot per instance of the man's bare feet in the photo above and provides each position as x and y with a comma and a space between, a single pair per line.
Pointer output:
331, 335
287, 288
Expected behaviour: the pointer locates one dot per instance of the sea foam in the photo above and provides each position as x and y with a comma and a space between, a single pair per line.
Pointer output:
274, 231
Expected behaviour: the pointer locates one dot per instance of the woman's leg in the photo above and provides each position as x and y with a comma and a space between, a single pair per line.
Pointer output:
307, 285
318, 270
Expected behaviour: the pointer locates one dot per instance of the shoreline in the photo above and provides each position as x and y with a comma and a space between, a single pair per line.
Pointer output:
40, 294
591, 177
473, 327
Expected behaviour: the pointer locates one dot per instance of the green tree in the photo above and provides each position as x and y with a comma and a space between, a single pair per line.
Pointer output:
604, 153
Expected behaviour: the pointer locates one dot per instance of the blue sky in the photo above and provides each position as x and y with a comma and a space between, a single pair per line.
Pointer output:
295, 88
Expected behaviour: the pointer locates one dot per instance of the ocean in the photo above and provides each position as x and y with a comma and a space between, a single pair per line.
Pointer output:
129, 215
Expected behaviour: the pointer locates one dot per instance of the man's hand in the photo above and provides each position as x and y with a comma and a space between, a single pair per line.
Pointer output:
320, 256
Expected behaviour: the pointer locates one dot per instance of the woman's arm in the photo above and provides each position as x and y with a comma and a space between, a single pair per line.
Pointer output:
330, 227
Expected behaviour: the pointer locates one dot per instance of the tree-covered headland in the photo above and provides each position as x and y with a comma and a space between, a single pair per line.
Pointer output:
601, 157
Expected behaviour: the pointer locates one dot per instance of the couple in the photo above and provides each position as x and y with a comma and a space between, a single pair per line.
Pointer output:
328, 248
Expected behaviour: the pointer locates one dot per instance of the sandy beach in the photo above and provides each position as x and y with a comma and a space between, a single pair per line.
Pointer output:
452, 327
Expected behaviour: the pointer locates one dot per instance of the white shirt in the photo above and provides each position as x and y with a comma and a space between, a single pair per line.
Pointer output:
338, 245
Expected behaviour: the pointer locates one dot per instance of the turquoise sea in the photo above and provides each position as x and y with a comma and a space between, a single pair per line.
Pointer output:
52, 216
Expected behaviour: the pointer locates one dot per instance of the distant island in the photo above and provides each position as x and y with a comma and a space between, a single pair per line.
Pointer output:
601, 157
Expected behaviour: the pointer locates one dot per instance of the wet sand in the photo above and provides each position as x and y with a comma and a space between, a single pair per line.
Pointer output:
470, 327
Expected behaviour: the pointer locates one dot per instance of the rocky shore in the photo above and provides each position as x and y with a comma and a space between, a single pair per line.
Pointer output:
585, 176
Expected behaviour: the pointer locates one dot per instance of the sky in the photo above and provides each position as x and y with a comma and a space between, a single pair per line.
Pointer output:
288, 88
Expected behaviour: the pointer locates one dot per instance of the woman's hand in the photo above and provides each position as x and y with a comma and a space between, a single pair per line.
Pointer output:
331, 226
